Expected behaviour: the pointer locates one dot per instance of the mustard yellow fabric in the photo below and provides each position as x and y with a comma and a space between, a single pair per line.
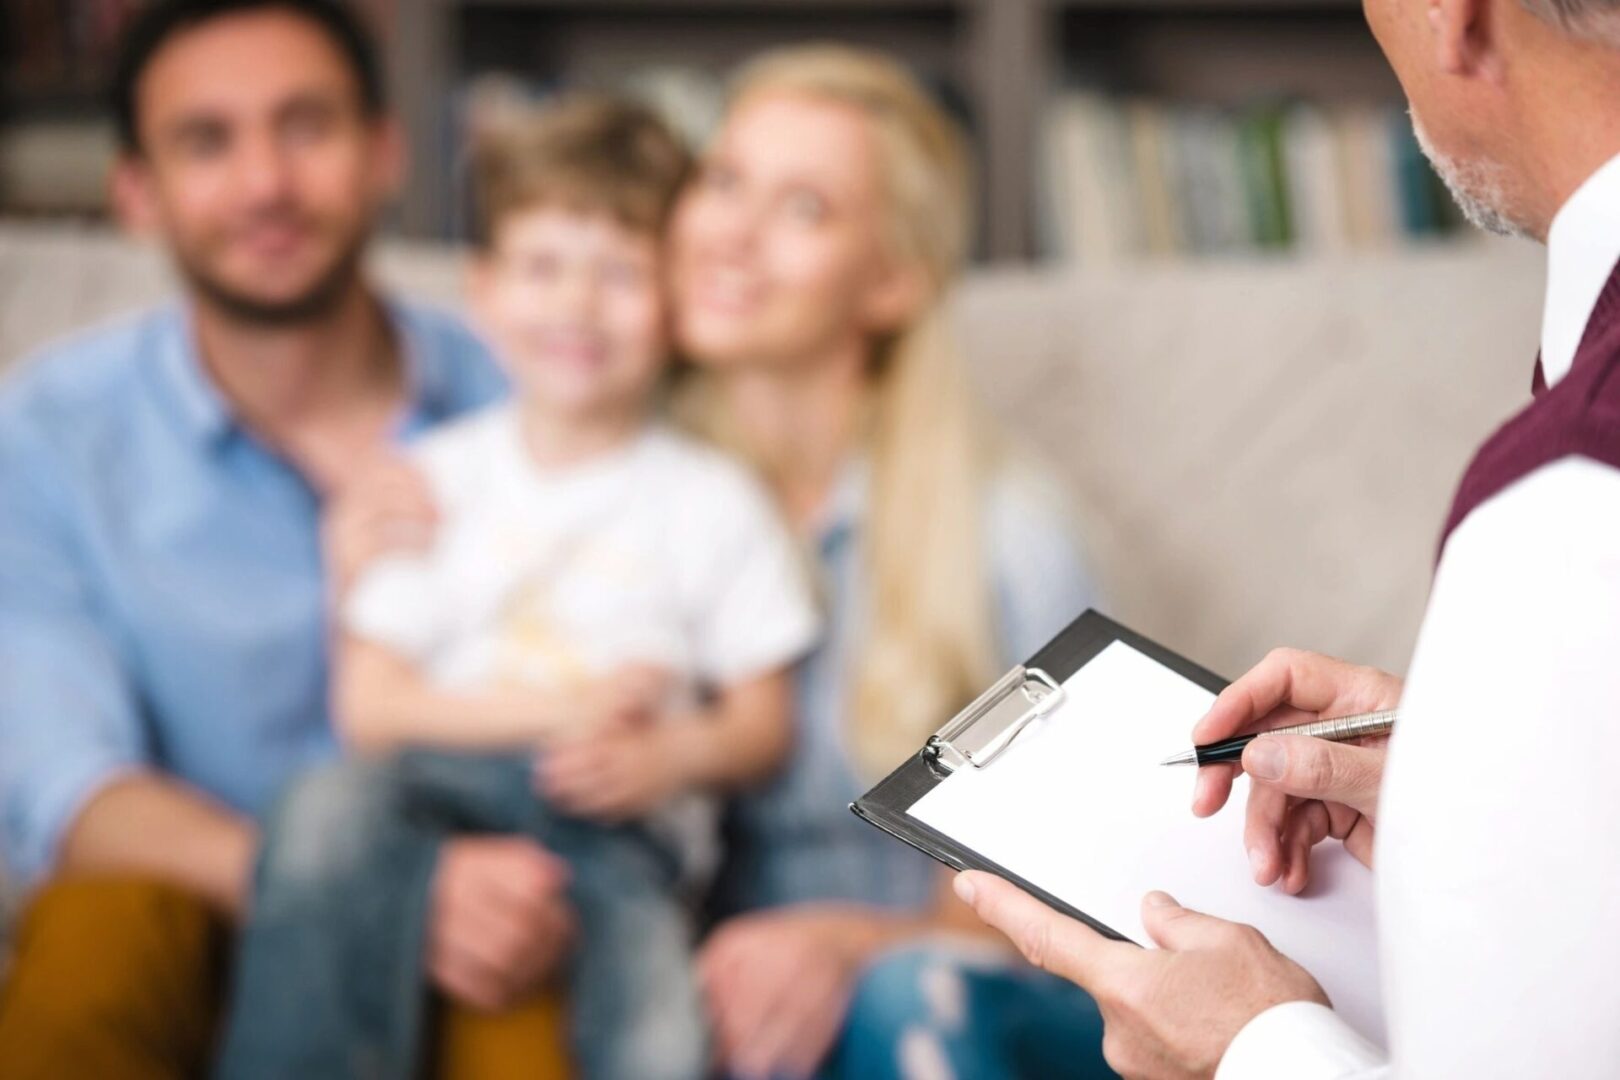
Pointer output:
122, 979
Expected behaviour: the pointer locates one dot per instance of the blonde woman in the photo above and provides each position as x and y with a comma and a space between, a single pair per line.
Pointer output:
812, 258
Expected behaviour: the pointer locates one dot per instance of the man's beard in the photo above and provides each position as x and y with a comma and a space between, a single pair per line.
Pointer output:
1478, 187
321, 298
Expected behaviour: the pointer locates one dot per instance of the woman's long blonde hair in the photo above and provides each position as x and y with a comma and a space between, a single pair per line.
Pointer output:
928, 643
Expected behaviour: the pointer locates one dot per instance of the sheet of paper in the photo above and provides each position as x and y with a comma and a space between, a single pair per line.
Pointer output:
1080, 806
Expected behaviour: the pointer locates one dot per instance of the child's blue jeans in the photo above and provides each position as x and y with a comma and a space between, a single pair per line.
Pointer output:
330, 979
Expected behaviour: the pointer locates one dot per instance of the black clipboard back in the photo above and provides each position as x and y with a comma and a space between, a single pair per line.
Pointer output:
974, 736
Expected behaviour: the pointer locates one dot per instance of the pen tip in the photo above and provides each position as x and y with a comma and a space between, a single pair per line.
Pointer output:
1186, 757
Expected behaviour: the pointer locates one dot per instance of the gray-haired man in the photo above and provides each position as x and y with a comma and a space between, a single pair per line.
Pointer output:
1498, 871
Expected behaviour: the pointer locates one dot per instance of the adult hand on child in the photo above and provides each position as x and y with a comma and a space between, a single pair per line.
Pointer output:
500, 922
615, 774
629, 697
385, 505
613, 759
1302, 790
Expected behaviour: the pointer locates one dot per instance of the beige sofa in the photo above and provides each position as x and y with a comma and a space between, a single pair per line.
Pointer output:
1260, 452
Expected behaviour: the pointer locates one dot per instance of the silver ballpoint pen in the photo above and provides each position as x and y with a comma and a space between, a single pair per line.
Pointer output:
1338, 729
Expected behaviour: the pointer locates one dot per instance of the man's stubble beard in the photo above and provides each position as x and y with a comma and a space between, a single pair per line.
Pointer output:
324, 295
1479, 187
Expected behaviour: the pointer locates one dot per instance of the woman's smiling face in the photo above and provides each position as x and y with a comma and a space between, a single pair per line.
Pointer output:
778, 246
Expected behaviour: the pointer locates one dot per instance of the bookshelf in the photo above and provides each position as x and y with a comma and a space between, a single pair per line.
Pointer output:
1244, 125
53, 139
999, 64
56, 134
592, 43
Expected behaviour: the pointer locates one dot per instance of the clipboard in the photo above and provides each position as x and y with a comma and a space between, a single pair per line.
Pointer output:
1053, 775
987, 727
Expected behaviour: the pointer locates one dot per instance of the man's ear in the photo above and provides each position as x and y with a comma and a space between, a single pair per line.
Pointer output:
896, 295
1465, 38
133, 196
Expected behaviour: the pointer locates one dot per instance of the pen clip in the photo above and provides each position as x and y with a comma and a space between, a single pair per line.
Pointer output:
979, 734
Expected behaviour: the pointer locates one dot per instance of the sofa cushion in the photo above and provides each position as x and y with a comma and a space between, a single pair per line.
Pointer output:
1261, 449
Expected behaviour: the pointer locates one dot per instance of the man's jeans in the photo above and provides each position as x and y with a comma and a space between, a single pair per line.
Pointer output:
330, 978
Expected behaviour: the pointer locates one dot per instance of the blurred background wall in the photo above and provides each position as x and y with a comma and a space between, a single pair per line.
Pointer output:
1216, 283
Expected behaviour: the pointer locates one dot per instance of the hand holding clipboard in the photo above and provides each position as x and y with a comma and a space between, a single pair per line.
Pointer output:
1051, 780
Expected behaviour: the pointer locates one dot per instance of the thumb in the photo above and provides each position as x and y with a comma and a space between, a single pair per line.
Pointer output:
1317, 769
544, 868
1179, 929
1047, 939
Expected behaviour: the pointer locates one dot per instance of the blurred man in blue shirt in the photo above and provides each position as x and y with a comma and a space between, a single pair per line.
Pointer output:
162, 581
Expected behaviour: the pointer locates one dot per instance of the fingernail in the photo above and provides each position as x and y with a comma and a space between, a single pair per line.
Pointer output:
1160, 899
1265, 759
965, 891
1256, 860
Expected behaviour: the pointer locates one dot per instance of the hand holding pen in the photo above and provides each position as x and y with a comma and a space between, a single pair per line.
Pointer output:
1304, 789
1367, 725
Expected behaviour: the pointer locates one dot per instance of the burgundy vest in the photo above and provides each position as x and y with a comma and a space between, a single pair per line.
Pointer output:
1579, 416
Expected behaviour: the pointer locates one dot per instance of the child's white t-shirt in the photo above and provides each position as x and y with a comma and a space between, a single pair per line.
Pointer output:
662, 551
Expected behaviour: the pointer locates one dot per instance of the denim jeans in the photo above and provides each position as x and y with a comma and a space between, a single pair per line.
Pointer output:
329, 979
938, 1012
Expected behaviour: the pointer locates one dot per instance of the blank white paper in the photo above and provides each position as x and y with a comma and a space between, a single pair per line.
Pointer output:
1080, 806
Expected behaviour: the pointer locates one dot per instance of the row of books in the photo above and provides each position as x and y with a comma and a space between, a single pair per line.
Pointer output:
56, 141
60, 46
1124, 178
56, 137
63, 49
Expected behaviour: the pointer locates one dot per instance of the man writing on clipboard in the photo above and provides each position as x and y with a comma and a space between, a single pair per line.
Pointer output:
1498, 873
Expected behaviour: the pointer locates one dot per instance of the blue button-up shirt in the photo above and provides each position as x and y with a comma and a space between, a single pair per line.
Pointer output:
161, 583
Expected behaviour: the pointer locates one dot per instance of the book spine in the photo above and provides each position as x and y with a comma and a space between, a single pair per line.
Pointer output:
1124, 179
1265, 179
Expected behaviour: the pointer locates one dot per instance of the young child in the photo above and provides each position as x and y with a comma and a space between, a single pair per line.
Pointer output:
601, 589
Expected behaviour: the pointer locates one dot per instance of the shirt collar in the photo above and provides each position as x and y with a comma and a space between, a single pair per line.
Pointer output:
1583, 246
841, 515
205, 413
199, 406
430, 386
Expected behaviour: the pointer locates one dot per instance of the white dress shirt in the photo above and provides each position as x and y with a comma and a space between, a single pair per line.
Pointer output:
1497, 863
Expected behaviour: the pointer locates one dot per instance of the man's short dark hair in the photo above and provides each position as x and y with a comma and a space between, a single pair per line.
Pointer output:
162, 20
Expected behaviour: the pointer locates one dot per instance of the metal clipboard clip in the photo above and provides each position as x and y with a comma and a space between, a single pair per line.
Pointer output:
978, 734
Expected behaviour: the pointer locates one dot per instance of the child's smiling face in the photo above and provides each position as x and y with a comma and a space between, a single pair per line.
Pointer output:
573, 303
